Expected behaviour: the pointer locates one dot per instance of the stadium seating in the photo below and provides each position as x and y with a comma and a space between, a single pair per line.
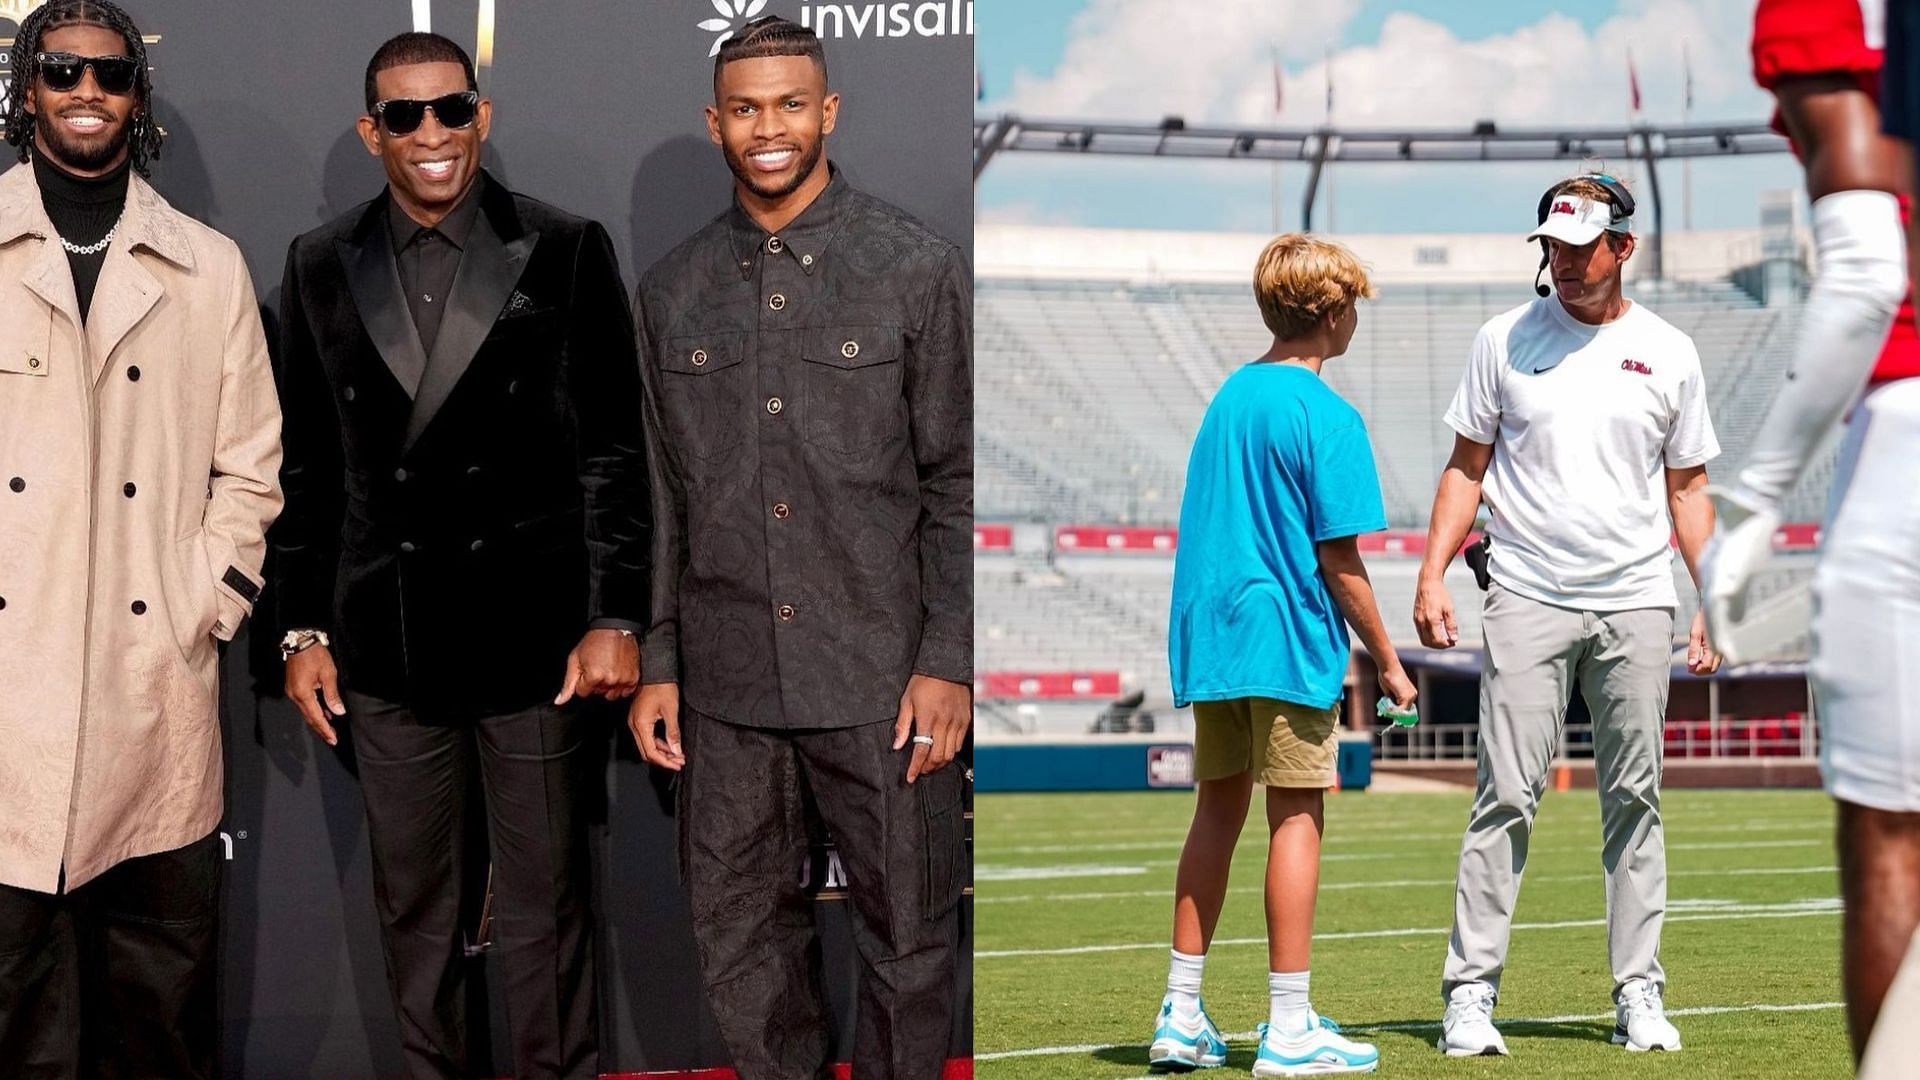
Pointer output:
1089, 392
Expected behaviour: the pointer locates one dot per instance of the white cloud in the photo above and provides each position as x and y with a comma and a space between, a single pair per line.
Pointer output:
1141, 59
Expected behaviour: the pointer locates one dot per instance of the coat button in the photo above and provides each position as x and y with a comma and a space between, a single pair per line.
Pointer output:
476, 545
774, 406
699, 357
775, 244
473, 470
33, 362
400, 475
406, 547
128, 489
513, 387
3, 603
347, 393
806, 260
850, 350
782, 511
787, 613
133, 373
17, 484
777, 301
139, 607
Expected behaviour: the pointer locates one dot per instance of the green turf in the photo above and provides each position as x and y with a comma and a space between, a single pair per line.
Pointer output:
1071, 870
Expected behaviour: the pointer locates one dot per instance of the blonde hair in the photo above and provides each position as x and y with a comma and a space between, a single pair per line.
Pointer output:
1300, 279
1581, 187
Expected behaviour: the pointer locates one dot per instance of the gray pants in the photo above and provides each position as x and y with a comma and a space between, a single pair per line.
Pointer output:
1534, 653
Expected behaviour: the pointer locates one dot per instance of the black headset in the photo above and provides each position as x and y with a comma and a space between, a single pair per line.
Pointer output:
1622, 209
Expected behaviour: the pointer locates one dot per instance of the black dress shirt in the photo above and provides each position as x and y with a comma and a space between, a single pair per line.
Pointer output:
428, 256
810, 426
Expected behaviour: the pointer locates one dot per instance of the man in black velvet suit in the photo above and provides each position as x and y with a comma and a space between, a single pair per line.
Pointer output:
466, 533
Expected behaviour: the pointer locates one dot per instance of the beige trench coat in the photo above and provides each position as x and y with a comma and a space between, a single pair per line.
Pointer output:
139, 461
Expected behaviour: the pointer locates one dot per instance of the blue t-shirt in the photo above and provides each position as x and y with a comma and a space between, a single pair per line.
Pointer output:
1280, 463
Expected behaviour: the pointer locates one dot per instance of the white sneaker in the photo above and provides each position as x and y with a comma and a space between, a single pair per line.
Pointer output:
1640, 1019
1467, 1030
1319, 1051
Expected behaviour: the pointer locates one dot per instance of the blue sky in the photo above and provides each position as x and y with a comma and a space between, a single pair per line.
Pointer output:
1407, 63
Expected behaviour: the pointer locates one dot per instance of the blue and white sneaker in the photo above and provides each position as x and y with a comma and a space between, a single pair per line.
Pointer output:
1320, 1051
1182, 1043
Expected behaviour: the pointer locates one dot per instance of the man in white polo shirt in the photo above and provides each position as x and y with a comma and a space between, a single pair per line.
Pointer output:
1582, 423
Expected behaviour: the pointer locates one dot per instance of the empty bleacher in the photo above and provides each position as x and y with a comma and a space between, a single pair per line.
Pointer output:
1090, 392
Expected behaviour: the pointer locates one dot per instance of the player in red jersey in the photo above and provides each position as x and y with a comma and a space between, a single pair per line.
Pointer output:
1822, 60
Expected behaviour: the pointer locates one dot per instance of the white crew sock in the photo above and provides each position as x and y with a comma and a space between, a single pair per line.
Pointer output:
1288, 1014
1183, 982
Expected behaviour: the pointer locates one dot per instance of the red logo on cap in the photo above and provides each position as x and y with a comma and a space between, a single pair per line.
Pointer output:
1563, 207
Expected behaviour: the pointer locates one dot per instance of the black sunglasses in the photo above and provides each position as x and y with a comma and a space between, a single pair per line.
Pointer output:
403, 116
62, 71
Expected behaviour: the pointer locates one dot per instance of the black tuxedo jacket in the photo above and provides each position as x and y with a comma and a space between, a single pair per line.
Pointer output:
457, 540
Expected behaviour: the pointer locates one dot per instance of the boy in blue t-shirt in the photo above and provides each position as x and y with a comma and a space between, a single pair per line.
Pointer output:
1266, 579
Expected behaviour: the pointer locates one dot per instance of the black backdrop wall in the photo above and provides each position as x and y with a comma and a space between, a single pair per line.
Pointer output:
597, 109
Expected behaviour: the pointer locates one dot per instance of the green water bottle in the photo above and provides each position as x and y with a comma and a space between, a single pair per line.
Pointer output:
1387, 710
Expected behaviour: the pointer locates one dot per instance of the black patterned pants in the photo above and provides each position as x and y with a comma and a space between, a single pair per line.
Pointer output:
743, 845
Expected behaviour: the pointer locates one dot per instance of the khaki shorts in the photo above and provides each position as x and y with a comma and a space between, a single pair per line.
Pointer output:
1284, 744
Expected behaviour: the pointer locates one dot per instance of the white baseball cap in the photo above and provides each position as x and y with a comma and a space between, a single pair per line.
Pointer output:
1577, 220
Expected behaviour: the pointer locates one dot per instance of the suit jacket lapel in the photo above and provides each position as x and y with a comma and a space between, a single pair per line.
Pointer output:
374, 280
489, 269
122, 297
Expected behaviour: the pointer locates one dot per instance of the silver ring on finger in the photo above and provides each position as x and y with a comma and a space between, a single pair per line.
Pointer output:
923, 740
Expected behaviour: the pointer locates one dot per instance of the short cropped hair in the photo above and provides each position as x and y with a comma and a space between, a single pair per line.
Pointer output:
1301, 279
771, 35
416, 47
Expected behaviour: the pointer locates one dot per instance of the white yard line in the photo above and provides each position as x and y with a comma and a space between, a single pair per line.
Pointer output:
1750, 871
1255, 839
1248, 1036
1796, 909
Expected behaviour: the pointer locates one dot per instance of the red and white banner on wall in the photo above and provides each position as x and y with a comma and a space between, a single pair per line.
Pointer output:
1048, 685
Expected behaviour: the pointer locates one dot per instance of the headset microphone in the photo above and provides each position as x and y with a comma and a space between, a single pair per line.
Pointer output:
1621, 214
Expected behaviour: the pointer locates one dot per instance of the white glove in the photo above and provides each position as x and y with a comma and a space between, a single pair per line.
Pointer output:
1741, 544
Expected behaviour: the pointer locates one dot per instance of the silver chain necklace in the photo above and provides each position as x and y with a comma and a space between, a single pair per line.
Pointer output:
98, 246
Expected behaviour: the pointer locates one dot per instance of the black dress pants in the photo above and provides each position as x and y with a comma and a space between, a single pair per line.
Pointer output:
415, 775
743, 845
117, 977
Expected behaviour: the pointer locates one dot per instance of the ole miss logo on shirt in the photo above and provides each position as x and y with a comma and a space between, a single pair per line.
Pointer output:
1636, 367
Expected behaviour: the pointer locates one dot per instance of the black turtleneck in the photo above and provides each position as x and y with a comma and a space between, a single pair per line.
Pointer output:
82, 208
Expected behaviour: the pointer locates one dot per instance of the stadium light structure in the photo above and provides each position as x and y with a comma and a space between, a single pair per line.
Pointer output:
1317, 147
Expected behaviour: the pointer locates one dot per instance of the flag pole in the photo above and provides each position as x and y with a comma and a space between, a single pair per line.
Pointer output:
1333, 222
1277, 100
1686, 118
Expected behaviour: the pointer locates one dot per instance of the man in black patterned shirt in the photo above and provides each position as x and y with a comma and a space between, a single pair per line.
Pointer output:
807, 360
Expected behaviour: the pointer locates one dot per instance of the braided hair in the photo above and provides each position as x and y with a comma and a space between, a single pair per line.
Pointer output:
143, 137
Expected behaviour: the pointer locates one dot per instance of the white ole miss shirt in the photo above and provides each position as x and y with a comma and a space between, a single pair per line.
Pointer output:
1584, 421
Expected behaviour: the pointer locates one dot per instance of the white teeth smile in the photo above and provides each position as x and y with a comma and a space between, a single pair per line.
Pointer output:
436, 170
86, 123
772, 157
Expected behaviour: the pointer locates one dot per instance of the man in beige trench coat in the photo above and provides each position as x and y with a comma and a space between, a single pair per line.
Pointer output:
139, 452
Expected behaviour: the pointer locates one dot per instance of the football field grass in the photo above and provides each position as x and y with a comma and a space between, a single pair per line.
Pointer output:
1074, 894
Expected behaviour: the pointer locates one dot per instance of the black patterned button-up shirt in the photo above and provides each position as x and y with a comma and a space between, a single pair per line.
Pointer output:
810, 417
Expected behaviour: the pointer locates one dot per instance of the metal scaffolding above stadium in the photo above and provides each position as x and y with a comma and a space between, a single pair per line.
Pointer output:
1317, 147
